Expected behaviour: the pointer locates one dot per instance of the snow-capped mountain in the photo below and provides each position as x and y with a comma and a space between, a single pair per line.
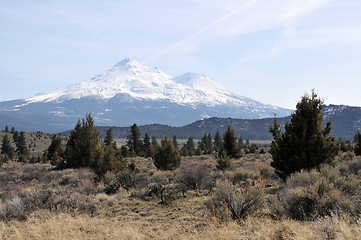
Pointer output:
130, 92
149, 83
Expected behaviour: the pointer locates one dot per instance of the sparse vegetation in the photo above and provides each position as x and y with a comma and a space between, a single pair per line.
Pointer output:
250, 193
120, 196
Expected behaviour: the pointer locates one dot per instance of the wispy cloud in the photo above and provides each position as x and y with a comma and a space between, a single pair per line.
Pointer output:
208, 27
251, 16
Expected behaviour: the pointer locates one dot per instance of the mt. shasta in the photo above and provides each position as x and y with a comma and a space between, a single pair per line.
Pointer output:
132, 93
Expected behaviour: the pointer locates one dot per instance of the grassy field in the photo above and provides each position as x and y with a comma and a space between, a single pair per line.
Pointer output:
39, 202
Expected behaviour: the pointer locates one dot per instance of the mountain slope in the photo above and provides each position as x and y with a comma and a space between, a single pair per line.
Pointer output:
130, 92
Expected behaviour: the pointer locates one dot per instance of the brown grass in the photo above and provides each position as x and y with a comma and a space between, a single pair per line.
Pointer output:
44, 225
71, 204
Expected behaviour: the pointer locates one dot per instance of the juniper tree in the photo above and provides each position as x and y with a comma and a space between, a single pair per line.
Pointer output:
134, 142
108, 137
217, 141
146, 142
55, 151
147, 146
230, 144
188, 148
358, 143
12, 130
6, 147
110, 159
210, 142
16, 136
155, 143
203, 144
167, 156
22, 148
305, 143
83, 146
6, 129
175, 142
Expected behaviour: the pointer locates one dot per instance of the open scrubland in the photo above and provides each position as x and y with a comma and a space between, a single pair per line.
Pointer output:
195, 201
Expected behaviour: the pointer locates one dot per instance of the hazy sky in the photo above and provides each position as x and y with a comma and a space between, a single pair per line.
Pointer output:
271, 50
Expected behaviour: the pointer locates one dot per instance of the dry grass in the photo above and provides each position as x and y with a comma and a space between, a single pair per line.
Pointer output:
44, 225
71, 204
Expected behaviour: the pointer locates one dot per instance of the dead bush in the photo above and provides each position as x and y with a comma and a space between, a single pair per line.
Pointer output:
243, 175
128, 179
34, 171
13, 209
195, 177
311, 194
231, 201
354, 167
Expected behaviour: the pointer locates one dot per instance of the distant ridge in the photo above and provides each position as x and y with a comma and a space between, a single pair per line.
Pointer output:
346, 121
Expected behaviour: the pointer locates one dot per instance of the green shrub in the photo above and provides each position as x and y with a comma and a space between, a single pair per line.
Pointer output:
224, 163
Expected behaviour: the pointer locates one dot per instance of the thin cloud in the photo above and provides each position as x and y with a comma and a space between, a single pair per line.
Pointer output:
223, 18
253, 16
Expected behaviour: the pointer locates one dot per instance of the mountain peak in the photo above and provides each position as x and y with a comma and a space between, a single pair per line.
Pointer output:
200, 82
128, 62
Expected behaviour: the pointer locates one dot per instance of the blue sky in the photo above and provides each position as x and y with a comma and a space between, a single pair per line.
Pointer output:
272, 51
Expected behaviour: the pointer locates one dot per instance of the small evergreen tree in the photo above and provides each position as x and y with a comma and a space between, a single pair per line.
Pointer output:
6, 129
83, 146
230, 143
124, 151
188, 149
22, 147
134, 142
110, 160
16, 136
167, 156
55, 151
175, 142
223, 163
304, 144
217, 141
203, 143
6, 147
210, 142
155, 143
252, 148
358, 143
108, 137
12, 130
147, 145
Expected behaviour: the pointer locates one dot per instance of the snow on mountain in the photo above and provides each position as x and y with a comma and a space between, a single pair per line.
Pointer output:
127, 76
132, 93
147, 83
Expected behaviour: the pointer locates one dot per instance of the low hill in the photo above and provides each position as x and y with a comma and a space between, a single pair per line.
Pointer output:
346, 120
